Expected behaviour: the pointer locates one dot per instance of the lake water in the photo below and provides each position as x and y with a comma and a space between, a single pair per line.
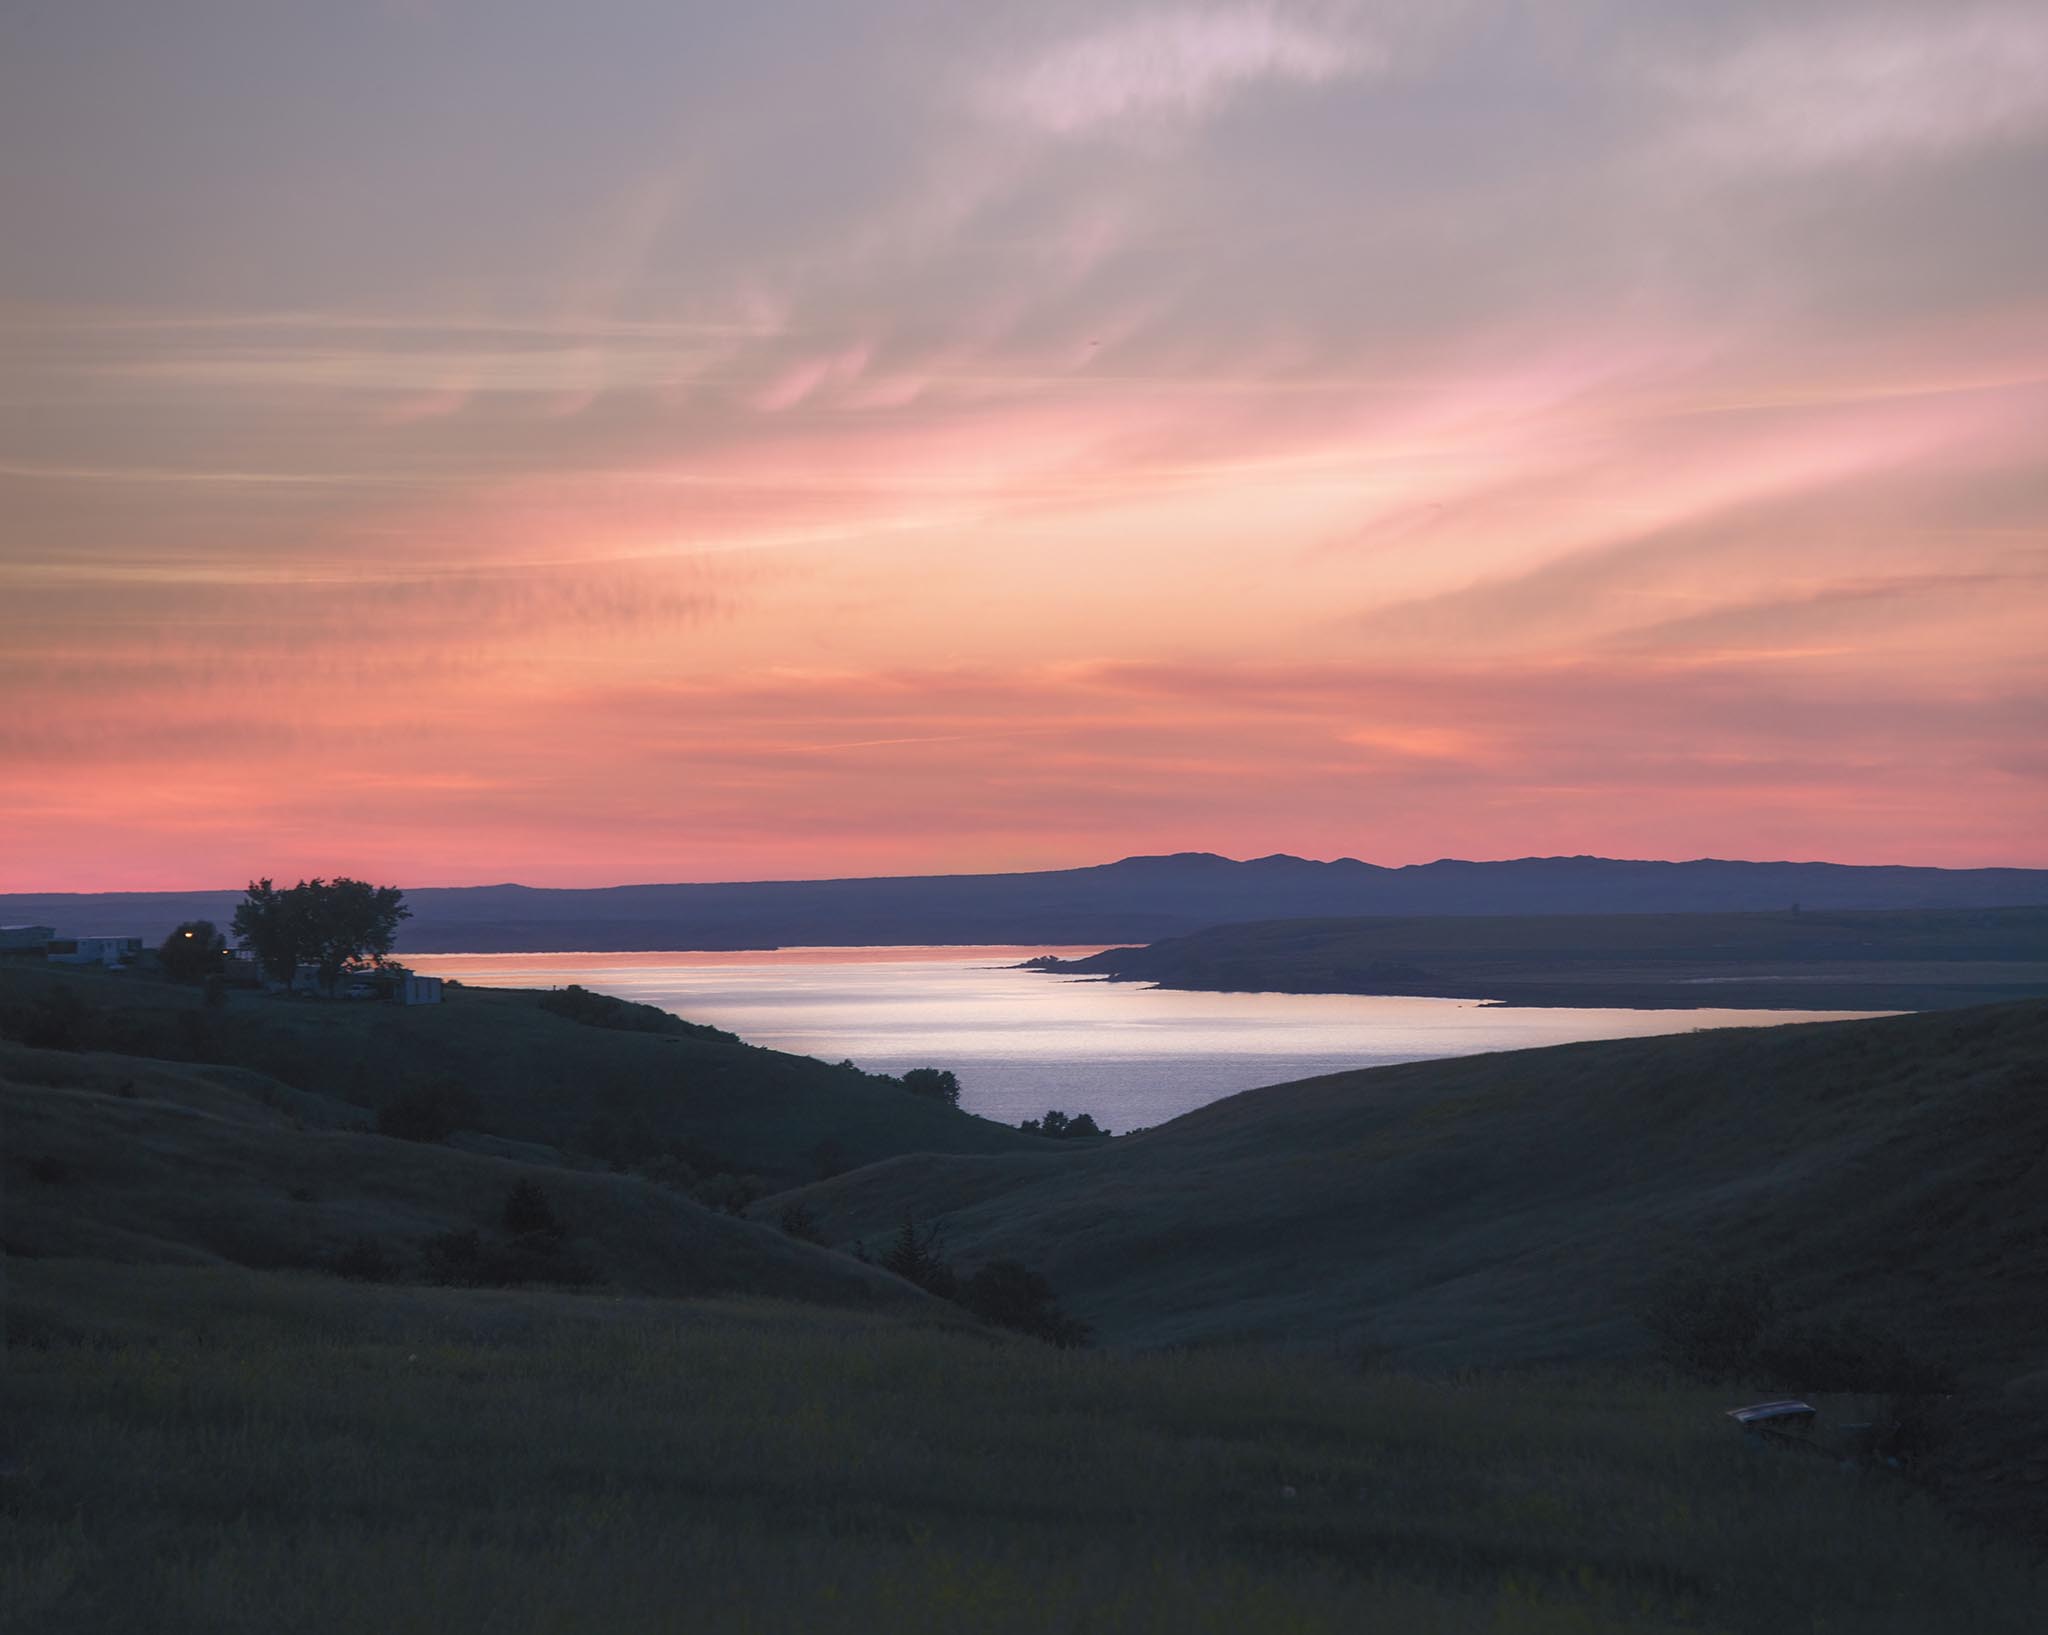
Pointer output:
1023, 1041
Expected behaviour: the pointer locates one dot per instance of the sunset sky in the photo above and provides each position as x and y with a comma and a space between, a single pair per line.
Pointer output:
467, 440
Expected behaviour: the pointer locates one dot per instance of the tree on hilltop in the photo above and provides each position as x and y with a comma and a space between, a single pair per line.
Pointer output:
934, 1083
1060, 1127
192, 951
329, 924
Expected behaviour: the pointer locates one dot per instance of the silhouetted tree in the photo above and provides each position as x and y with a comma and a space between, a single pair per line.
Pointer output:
267, 923
330, 924
935, 1083
192, 952
1060, 1127
915, 1258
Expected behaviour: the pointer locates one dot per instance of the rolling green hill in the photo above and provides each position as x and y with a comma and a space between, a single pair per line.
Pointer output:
124, 1159
1917, 959
221, 1434
647, 1085
1515, 1207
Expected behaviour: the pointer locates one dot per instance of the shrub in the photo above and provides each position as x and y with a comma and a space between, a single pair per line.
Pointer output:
730, 1194
1710, 1321
365, 1260
1728, 1325
527, 1209
801, 1222
465, 1259
667, 1170
1845, 1355
49, 1171
453, 1257
934, 1084
57, 1021
915, 1257
1010, 1295
430, 1112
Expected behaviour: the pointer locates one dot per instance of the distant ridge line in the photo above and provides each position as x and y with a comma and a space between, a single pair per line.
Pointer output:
1133, 900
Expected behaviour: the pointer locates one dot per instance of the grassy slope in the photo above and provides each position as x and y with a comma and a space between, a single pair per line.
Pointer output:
119, 1158
1910, 960
1512, 1207
543, 1079
192, 1449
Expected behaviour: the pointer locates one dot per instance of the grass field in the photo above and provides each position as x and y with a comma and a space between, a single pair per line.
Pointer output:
227, 1451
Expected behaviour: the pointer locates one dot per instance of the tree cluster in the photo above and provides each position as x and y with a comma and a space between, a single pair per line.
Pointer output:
1004, 1293
933, 1083
192, 952
1060, 1127
328, 924
1729, 1325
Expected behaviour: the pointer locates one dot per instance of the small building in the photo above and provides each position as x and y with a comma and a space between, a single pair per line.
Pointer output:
382, 984
26, 941
93, 950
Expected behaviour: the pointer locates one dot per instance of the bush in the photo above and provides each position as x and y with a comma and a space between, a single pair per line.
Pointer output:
431, 1112
801, 1222
730, 1194
1844, 1355
465, 1259
1728, 1325
453, 1257
57, 1021
365, 1260
527, 1210
1710, 1321
1010, 1295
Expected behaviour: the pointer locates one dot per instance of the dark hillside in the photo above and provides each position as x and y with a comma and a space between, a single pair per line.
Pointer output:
1516, 1207
622, 1093
123, 1159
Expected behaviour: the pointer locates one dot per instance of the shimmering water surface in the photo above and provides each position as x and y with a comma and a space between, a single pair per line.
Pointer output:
1023, 1041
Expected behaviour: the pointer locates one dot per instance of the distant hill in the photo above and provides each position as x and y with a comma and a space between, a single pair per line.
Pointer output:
1515, 1207
1913, 959
1139, 899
